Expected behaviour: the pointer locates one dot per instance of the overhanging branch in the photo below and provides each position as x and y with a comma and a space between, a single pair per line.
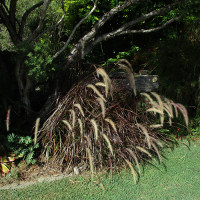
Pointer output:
150, 30
7, 22
124, 29
107, 16
111, 35
54, 25
92, 33
74, 30
38, 30
25, 16
13, 4
91, 39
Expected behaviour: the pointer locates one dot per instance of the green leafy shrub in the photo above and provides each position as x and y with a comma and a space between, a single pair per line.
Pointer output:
194, 129
38, 61
22, 147
123, 55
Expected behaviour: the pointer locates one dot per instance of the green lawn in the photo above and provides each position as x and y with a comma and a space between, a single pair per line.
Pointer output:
177, 178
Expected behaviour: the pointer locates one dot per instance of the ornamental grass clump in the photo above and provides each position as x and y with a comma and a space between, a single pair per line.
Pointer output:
99, 125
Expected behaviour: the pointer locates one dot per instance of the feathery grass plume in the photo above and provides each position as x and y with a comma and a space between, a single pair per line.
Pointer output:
161, 107
103, 107
94, 124
155, 110
100, 84
130, 74
170, 108
123, 135
175, 108
157, 152
144, 151
148, 97
102, 187
8, 119
68, 124
106, 79
184, 112
167, 110
37, 122
156, 125
132, 170
81, 128
128, 63
77, 105
135, 158
47, 153
108, 142
96, 91
145, 132
157, 142
88, 141
91, 162
159, 99
73, 117
110, 121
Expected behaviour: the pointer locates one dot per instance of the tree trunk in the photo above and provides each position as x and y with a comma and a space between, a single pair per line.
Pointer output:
23, 87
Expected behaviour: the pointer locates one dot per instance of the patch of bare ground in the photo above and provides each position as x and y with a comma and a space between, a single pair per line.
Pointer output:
22, 176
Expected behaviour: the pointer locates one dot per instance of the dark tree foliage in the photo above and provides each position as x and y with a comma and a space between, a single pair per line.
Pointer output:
48, 43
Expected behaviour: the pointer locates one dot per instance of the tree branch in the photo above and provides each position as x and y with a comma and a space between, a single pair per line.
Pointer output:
74, 30
13, 4
118, 33
124, 28
90, 39
6, 21
5, 7
152, 29
41, 23
91, 34
25, 16
53, 26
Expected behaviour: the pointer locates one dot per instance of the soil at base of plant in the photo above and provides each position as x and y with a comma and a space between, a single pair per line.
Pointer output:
22, 176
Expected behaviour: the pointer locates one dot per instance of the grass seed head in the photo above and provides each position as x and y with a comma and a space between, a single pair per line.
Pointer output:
100, 84
81, 127
91, 162
144, 151
103, 107
108, 142
135, 158
77, 105
68, 124
110, 121
96, 91
37, 123
94, 124
106, 78
145, 132
73, 117
132, 170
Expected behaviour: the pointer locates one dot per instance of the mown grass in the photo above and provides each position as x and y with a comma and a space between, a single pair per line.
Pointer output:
177, 178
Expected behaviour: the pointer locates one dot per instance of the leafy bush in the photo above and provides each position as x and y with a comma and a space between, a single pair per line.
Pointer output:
15, 146
194, 129
99, 124
22, 147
